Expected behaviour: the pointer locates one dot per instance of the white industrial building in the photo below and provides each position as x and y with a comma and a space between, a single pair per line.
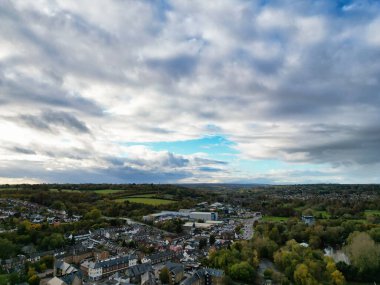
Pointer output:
182, 214
204, 216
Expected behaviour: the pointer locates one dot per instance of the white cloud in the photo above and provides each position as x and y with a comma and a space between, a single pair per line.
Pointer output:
294, 82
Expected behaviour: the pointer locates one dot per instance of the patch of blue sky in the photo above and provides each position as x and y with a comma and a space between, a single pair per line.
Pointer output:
216, 147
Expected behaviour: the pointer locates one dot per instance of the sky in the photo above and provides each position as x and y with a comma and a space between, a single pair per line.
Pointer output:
225, 91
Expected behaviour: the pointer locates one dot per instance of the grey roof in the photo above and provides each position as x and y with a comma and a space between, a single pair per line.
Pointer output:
191, 280
138, 269
69, 279
174, 267
112, 282
201, 273
215, 272
160, 254
114, 261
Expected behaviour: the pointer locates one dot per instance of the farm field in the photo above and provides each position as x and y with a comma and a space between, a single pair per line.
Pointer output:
274, 219
107, 191
8, 189
65, 190
324, 214
372, 212
143, 196
148, 201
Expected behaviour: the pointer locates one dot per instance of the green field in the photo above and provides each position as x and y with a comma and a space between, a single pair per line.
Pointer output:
143, 196
148, 201
107, 191
324, 214
8, 189
65, 190
274, 219
4, 279
372, 212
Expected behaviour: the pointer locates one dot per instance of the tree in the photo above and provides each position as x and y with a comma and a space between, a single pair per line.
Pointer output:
34, 280
8, 249
255, 259
212, 239
53, 241
302, 276
364, 253
58, 205
268, 273
242, 271
165, 276
265, 247
337, 278
94, 214
315, 242
202, 243
306, 266
375, 234
15, 278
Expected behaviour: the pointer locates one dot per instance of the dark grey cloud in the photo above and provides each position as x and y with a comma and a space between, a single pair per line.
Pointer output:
49, 120
201, 161
22, 150
296, 81
348, 145
174, 67
95, 175
29, 91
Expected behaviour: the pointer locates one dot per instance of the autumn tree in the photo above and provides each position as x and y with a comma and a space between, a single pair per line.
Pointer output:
164, 275
364, 253
242, 271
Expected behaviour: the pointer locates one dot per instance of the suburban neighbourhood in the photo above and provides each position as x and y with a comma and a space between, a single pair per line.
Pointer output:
103, 256
156, 235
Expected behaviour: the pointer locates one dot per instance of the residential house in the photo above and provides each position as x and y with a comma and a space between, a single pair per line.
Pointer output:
308, 220
142, 274
205, 276
103, 268
62, 268
56, 281
159, 257
176, 271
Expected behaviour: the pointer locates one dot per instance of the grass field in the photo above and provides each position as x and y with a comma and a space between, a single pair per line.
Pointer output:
274, 219
107, 191
372, 212
143, 196
3, 279
65, 190
8, 189
148, 201
324, 214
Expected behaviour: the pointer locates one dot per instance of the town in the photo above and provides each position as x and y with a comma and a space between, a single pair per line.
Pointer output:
108, 255
46, 239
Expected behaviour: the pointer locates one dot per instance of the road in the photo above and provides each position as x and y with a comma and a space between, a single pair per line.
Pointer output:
248, 228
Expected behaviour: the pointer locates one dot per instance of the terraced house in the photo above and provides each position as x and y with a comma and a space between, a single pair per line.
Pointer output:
96, 270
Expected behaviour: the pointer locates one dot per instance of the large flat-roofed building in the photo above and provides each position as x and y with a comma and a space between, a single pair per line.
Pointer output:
204, 216
165, 215
182, 214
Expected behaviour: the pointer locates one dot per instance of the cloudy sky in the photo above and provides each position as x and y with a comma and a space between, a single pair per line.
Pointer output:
178, 91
